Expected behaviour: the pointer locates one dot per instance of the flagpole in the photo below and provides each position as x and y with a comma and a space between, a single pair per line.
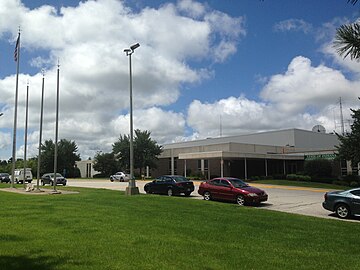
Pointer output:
56, 129
40, 133
17, 59
26, 129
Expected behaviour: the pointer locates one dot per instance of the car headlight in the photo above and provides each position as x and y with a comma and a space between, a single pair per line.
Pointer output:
253, 195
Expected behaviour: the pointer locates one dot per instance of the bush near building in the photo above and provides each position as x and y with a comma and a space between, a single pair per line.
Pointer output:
318, 168
298, 177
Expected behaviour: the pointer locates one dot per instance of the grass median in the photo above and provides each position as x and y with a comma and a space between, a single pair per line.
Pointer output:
104, 229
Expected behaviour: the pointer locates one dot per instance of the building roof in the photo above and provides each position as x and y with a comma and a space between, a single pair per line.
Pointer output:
297, 138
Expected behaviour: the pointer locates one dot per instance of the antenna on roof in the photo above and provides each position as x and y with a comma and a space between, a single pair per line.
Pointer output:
220, 126
319, 129
342, 119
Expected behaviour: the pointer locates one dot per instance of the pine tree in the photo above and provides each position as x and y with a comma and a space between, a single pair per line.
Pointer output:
349, 148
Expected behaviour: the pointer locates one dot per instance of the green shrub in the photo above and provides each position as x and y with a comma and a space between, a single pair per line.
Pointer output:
197, 176
99, 175
326, 180
279, 176
318, 168
354, 184
298, 177
340, 183
351, 178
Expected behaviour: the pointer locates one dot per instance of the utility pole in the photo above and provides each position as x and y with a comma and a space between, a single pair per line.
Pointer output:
342, 119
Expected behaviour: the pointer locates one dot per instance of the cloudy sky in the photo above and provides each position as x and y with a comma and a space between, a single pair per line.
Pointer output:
204, 69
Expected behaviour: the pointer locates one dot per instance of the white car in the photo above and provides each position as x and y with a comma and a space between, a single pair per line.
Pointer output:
19, 176
119, 176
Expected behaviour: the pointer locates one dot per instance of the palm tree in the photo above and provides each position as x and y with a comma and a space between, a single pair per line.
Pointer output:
347, 40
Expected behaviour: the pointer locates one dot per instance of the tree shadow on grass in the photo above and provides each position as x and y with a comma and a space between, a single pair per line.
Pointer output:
24, 262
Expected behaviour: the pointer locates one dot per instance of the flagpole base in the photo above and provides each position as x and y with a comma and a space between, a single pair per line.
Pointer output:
132, 191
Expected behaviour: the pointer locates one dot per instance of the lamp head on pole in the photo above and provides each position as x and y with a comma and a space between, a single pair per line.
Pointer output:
131, 49
1, 113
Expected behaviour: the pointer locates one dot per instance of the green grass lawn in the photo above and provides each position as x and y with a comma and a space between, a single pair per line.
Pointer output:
104, 229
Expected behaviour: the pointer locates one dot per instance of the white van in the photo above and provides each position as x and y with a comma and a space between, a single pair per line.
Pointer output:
19, 175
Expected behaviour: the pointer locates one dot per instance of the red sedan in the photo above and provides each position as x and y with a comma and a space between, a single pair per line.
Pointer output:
231, 189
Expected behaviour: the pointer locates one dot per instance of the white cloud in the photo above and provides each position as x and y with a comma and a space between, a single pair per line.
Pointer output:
302, 97
346, 63
94, 75
304, 86
192, 8
293, 25
94, 72
5, 139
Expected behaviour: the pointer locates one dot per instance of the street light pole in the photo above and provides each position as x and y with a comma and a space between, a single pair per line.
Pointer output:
131, 189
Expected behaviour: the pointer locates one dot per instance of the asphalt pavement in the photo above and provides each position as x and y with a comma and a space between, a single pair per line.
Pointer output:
296, 200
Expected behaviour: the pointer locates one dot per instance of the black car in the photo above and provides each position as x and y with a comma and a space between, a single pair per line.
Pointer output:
48, 178
170, 185
343, 203
4, 177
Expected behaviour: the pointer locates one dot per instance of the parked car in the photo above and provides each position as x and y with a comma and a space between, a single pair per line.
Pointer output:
343, 203
19, 176
4, 177
170, 185
48, 178
119, 176
231, 189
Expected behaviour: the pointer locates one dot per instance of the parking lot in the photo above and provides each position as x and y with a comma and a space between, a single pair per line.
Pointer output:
297, 200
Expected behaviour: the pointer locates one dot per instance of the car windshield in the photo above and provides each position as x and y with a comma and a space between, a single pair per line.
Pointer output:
238, 183
180, 179
57, 175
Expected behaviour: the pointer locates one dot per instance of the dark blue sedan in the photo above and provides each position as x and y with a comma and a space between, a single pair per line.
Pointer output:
170, 185
343, 203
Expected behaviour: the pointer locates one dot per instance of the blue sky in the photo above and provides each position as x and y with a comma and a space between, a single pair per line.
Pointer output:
256, 65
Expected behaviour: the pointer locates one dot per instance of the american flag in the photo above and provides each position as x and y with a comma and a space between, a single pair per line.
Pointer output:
17, 48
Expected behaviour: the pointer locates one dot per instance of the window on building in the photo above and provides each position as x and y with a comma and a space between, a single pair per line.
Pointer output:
206, 164
175, 166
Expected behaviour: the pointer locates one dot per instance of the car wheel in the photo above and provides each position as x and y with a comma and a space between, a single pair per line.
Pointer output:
342, 210
51, 183
112, 180
240, 200
147, 190
64, 184
207, 196
42, 183
187, 194
170, 192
